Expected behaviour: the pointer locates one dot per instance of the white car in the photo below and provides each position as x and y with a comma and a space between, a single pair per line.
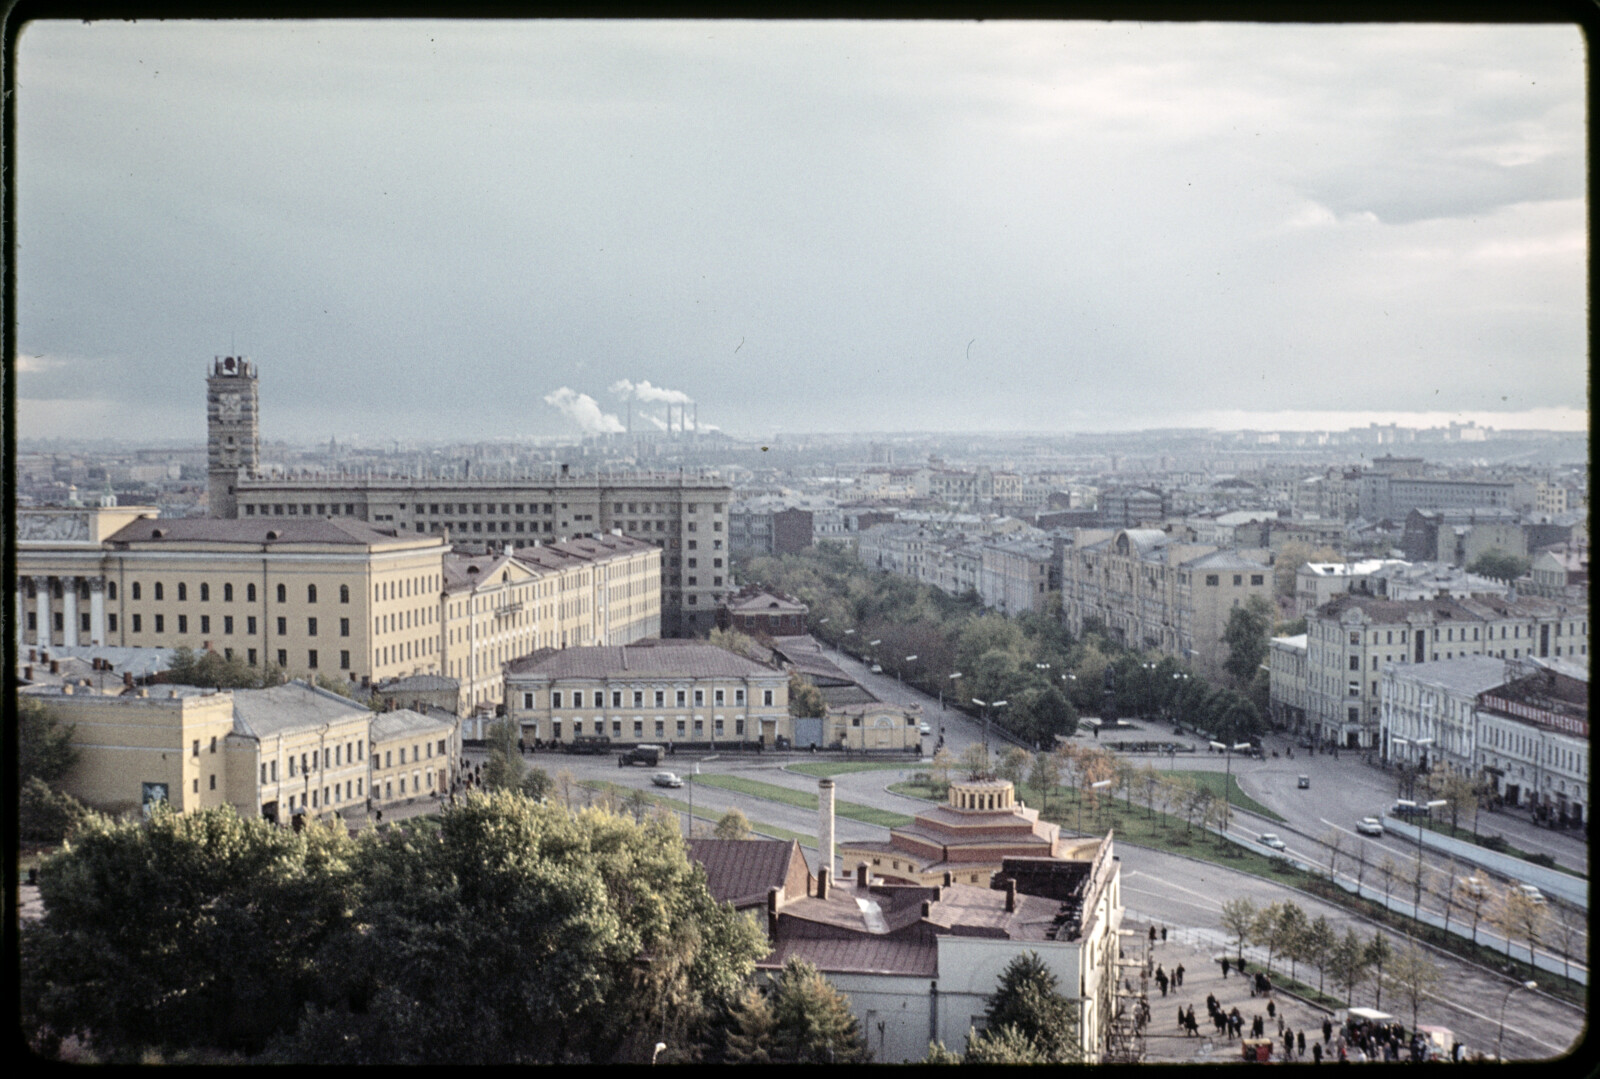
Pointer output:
877, 669
924, 729
1534, 895
1474, 886
1269, 839
666, 779
1369, 826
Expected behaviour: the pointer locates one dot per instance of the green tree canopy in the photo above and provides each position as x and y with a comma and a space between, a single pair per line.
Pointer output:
805, 699
732, 825
44, 746
811, 1020
511, 933
1028, 1002
1246, 636
191, 668
1499, 565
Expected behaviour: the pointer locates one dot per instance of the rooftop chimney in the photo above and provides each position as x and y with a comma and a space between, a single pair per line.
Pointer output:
772, 914
825, 834
822, 883
927, 908
949, 878
1011, 895
55, 666
127, 678
861, 874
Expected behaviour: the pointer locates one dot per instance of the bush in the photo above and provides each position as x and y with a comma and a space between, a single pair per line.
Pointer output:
1493, 842
1545, 860
47, 816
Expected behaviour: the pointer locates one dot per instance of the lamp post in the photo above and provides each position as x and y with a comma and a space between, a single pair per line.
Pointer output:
873, 644
1227, 778
1427, 809
1093, 787
985, 705
954, 677
899, 674
820, 623
847, 633
1501, 1037
691, 789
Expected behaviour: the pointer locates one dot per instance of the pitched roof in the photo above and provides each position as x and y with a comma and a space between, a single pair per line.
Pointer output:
264, 712
741, 871
403, 721
255, 530
685, 659
859, 955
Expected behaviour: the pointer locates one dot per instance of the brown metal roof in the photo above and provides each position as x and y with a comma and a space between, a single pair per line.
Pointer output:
691, 659
742, 871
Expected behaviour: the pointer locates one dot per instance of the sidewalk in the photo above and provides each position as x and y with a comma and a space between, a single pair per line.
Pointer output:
1198, 952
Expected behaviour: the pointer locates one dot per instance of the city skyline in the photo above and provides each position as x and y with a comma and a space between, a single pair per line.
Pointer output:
532, 229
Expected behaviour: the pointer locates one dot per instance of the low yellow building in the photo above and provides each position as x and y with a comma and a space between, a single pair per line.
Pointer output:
299, 749
656, 691
151, 746
274, 753
413, 755
876, 725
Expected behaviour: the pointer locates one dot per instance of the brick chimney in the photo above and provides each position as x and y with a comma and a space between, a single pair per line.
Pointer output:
825, 833
1011, 895
861, 874
772, 914
822, 883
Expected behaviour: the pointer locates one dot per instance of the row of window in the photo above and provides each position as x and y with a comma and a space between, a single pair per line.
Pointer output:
597, 698
301, 509
1257, 579
136, 591
250, 624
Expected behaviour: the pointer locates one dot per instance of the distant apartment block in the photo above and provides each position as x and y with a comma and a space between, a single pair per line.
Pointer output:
1352, 638
1151, 592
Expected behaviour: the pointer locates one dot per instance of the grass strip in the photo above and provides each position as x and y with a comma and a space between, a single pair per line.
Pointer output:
804, 800
1213, 782
678, 805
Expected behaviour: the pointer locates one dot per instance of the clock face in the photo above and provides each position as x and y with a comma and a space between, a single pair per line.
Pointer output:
229, 405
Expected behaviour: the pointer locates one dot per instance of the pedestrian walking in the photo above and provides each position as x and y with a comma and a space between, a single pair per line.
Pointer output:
1224, 968
1300, 1042
1178, 974
1288, 1045
1316, 1052
1152, 934
1163, 934
1327, 1031
1272, 1010
1280, 1019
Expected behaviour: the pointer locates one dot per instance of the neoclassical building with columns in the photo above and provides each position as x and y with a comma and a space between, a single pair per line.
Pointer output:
311, 596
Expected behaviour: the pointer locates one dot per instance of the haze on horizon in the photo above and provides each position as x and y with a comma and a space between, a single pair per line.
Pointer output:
445, 230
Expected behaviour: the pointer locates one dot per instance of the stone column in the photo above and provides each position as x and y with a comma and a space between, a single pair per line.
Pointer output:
69, 611
41, 606
97, 610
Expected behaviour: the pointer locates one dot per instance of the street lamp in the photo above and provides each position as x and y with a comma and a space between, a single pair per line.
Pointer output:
690, 780
899, 673
1227, 779
1427, 808
953, 677
1500, 1039
985, 705
1093, 787
1411, 777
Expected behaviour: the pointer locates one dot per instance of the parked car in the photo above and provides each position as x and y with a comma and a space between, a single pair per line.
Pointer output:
1535, 896
1475, 886
877, 668
923, 728
1400, 809
666, 779
1304, 783
1268, 839
1369, 826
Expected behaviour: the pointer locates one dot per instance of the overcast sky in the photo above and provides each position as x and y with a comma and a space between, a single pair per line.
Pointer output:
426, 229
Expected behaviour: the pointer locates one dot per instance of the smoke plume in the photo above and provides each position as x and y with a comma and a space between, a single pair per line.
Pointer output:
643, 391
584, 411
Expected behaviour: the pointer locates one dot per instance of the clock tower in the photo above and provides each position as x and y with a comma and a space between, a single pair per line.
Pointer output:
233, 434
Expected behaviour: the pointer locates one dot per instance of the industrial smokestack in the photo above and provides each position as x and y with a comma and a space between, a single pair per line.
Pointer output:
825, 832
